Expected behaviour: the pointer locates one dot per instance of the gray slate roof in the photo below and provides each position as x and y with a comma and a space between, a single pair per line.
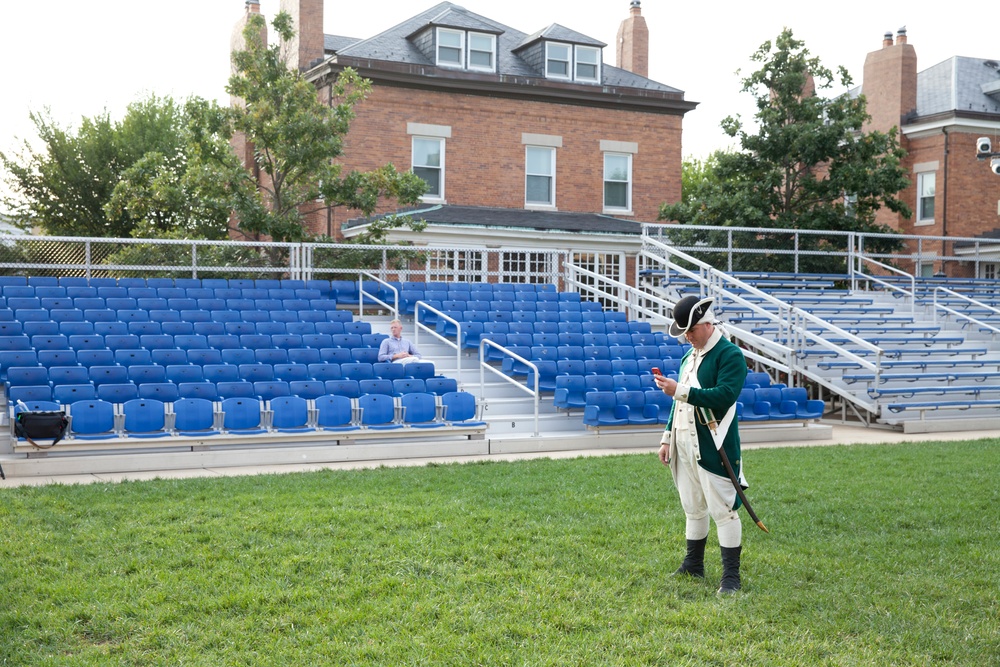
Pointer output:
560, 33
392, 45
956, 85
511, 218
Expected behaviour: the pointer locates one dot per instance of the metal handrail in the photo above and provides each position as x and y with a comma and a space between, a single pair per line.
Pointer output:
361, 295
785, 352
629, 290
417, 326
951, 311
483, 366
913, 281
795, 319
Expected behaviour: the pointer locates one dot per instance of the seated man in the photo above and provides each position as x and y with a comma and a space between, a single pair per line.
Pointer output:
397, 349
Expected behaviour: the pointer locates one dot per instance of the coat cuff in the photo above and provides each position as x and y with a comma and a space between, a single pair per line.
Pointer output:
681, 393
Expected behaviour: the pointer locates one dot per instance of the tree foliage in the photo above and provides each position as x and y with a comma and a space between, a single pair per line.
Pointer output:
296, 140
64, 186
808, 165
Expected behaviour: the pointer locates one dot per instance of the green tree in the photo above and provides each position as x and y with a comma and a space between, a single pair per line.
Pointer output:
64, 186
808, 165
296, 140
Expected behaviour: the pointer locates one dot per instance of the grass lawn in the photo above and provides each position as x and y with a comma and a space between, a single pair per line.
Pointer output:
878, 555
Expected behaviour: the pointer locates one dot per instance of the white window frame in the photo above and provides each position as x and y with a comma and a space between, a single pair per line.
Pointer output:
922, 178
460, 47
990, 270
493, 52
527, 266
628, 191
551, 204
569, 61
437, 198
576, 64
455, 265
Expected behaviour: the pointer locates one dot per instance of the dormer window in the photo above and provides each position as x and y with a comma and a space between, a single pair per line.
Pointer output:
450, 48
482, 52
558, 58
475, 51
588, 64
572, 62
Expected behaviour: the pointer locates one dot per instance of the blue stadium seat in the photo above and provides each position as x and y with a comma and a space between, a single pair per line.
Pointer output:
242, 416
117, 392
375, 386
597, 367
308, 389
570, 392
161, 391
602, 409
144, 418
254, 372
378, 412
639, 414
336, 355
604, 383
625, 367
348, 388
626, 382
92, 420
324, 371
270, 355
335, 413
805, 408
441, 385
358, 371
196, 389
779, 409
663, 404
194, 417
290, 414
70, 393
459, 408
269, 389
235, 389
420, 410
389, 371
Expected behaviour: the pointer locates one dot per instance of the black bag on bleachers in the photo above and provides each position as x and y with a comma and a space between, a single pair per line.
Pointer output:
41, 425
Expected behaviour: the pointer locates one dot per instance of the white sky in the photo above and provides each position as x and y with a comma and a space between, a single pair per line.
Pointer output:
80, 57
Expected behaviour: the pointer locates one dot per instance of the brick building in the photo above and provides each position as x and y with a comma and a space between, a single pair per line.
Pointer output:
940, 112
523, 138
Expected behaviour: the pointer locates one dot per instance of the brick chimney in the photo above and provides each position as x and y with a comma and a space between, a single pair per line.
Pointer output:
890, 82
307, 20
632, 52
239, 143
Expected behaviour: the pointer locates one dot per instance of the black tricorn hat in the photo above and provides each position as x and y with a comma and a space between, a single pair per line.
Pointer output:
688, 312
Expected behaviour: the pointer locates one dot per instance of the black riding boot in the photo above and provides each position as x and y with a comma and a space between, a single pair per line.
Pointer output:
694, 561
730, 570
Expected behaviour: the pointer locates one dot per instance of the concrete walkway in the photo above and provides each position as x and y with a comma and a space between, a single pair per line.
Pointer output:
842, 435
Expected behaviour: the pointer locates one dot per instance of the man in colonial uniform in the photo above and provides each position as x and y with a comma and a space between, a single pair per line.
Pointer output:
703, 417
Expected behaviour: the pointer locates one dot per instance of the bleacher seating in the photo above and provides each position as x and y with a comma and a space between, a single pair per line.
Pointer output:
240, 357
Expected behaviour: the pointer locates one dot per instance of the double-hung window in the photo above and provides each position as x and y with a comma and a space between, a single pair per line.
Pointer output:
558, 60
618, 182
428, 164
482, 52
926, 187
588, 64
540, 176
450, 48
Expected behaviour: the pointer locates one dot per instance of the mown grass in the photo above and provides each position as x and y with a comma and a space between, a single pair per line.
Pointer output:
879, 555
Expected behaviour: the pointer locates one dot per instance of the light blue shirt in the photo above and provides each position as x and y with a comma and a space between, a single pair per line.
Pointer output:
391, 346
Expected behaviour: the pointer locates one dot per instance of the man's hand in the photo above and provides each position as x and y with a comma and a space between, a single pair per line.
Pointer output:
667, 385
665, 453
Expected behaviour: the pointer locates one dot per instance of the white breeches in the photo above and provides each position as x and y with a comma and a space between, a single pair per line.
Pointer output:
704, 494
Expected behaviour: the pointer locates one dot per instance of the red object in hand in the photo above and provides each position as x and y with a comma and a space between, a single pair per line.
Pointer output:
656, 371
